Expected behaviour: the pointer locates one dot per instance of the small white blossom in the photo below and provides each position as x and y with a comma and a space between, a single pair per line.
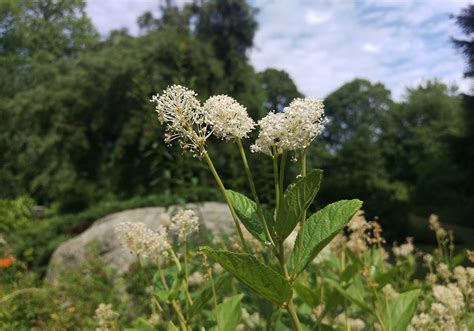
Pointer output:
196, 278
354, 323
390, 292
227, 118
143, 241
183, 223
438, 309
305, 121
181, 112
404, 249
443, 270
272, 129
105, 317
293, 129
451, 296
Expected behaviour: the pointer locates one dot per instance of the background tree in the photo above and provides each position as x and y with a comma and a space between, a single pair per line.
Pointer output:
465, 21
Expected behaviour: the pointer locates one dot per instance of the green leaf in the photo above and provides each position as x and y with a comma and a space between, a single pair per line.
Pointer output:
206, 294
321, 228
296, 200
400, 311
172, 327
310, 297
246, 210
348, 296
229, 313
263, 280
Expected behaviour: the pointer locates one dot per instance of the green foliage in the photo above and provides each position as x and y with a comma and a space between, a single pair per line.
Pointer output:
399, 312
320, 228
296, 200
16, 215
246, 210
279, 89
229, 313
465, 21
257, 276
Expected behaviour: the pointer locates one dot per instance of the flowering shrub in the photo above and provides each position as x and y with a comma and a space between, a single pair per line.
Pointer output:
285, 269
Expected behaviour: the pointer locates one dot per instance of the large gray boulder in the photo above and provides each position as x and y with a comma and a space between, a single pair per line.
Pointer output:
214, 216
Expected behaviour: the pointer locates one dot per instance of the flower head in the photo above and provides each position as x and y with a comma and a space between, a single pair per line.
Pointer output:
227, 118
181, 112
293, 129
143, 241
305, 121
272, 129
184, 223
451, 296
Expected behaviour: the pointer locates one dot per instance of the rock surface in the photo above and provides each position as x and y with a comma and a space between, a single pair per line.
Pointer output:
214, 216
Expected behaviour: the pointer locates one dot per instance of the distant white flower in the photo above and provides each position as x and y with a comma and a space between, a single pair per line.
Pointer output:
196, 278
181, 112
438, 309
390, 292
451, 296
293, 129
354, 323
143, 241
404, 249
105, 316
227, 118
443, 270
183, 223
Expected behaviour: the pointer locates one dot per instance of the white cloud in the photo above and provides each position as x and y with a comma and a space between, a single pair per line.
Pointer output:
312, 17
370, 48
326, 43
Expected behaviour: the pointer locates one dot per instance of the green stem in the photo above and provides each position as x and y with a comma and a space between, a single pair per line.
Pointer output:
303, 218
189, 301
227, 200
214, 296
282, 171
276, 177
290, 306
260, 213
294, 317
174, 304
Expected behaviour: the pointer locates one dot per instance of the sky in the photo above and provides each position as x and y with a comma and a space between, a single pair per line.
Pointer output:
325, 43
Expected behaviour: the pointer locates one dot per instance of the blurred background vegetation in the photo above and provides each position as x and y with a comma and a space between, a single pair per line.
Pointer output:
78, 135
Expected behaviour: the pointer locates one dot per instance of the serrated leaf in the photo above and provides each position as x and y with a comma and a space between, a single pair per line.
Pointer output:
320, 229
262, 279
296, 200
246, 210
206, 294
229, 313
400, 311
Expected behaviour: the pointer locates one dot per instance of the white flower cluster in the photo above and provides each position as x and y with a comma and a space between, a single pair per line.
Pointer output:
196, 278
183, 223
228, 118
293, 129
180, 110
142, 241
192, 124
390, 292
354, 323
104, 316
451, 296
404, 249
